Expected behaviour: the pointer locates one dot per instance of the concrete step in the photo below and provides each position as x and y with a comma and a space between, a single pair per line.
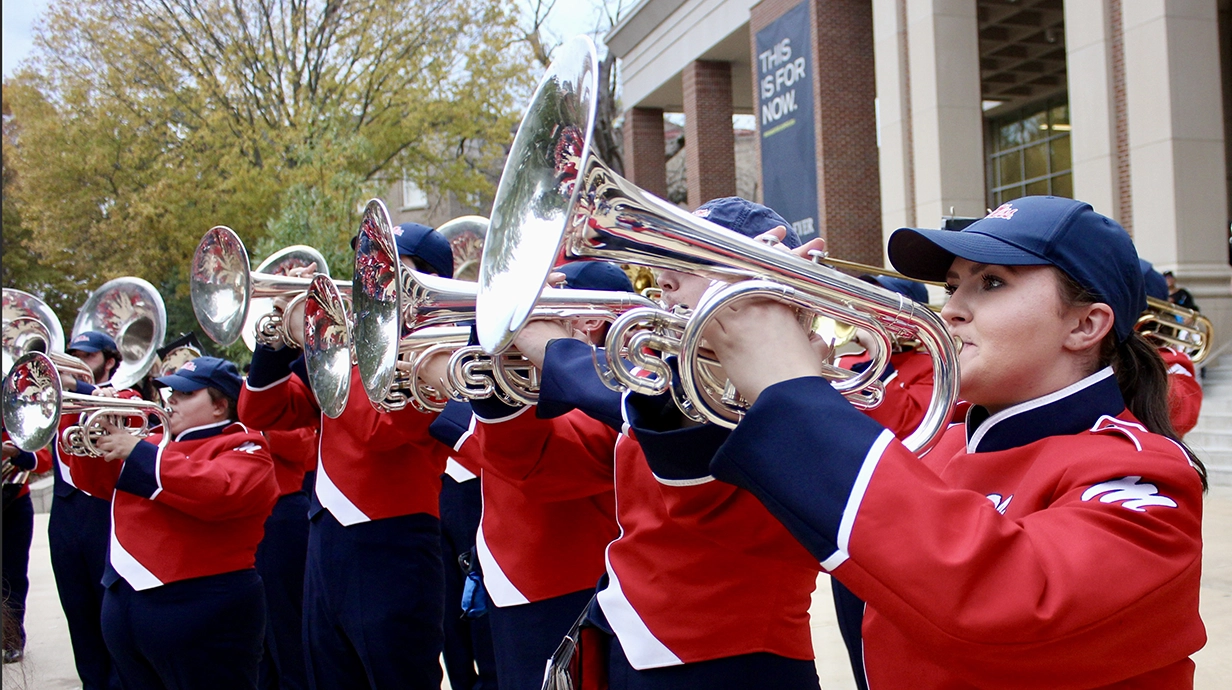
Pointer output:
1216, 403
1213, 440
1218, 466
1217, 378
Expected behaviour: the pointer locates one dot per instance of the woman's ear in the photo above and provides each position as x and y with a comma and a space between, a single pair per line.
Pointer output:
1093, 322
220, 407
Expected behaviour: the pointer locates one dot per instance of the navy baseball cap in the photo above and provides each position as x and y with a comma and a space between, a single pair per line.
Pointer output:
1156, 285
902, 286
205, 372
427, 244
1091, 248
595, 275
746, 217
93, 341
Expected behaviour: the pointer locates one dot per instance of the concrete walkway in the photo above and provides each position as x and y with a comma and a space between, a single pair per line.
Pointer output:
49, 658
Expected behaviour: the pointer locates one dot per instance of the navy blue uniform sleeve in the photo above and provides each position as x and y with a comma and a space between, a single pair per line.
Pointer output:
885, 375
451, 423
24, 460
270, 366
800, 449
570, 382
674, 452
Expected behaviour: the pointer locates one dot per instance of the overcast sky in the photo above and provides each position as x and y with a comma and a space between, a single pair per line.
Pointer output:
18, 25
569, 17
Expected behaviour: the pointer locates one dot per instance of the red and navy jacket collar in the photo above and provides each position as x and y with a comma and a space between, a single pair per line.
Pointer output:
202, 432
1071, 410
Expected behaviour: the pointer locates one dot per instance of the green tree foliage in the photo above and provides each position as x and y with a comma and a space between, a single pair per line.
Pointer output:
142, 123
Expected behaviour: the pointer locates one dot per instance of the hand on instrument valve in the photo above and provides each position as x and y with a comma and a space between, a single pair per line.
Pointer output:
433, 371
294, 319
761, 342
117, 443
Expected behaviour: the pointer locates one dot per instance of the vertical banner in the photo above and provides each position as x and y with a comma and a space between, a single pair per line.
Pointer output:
785, 119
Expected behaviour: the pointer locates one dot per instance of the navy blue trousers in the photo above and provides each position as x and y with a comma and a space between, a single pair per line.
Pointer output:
469, 659
14, 572
280, 562
374, 600
78, 534
202, 633
849, 611
761, 670
525, 637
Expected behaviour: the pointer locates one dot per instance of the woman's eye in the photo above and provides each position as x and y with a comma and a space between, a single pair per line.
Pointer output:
992, 282
950, 289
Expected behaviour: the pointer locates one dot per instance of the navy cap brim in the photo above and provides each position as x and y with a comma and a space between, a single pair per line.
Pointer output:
179, 383
926, 254
84, 347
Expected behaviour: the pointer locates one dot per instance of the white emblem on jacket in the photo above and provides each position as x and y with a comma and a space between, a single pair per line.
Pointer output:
999, 503
248, 447
1136, 497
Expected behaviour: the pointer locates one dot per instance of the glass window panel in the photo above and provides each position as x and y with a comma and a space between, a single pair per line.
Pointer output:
1035, 127
1035, 158
1009, 135
1063, 185
1037, 188
1059, 115
1060, 154
1010, 166
1013, 193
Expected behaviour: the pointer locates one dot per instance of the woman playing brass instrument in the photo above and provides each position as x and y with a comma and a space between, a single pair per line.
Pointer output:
1043, 544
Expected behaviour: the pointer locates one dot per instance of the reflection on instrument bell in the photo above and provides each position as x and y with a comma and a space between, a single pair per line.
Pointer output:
131, 311
556, 196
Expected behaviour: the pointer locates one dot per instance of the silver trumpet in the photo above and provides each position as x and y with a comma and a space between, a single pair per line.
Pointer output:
556, 194
224, 287
1171, 325
32, 402
131, 311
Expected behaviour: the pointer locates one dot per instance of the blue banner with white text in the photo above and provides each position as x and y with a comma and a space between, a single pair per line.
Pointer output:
785, 119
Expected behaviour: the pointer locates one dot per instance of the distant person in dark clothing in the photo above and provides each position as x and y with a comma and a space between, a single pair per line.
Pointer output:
1179, 295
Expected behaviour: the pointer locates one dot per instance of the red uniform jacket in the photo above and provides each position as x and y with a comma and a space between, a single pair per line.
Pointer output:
295, 454
548, 500
193, 508
1184, 391
701, 570
370, 465
1056, 544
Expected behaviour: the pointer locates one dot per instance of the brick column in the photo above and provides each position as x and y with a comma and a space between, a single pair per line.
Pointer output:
849, 198
845, 129
645, 157
710, 145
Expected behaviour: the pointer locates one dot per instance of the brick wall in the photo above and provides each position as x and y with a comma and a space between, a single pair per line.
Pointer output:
709, 141
645, 159
1124, 192
844, 87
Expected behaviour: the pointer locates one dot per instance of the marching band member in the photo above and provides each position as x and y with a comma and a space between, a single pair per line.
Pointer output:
373, 588
281, 556
548, 507
704, 588
1048, 542
470, 662
18, 522
184, 607
1184, 391
79, 530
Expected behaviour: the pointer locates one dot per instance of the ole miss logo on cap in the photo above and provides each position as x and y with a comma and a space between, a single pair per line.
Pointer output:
702, 212
1004, 211
398, 231
189, 366
81, 339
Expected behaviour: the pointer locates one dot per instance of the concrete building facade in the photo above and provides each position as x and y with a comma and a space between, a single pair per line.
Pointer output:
930, 108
